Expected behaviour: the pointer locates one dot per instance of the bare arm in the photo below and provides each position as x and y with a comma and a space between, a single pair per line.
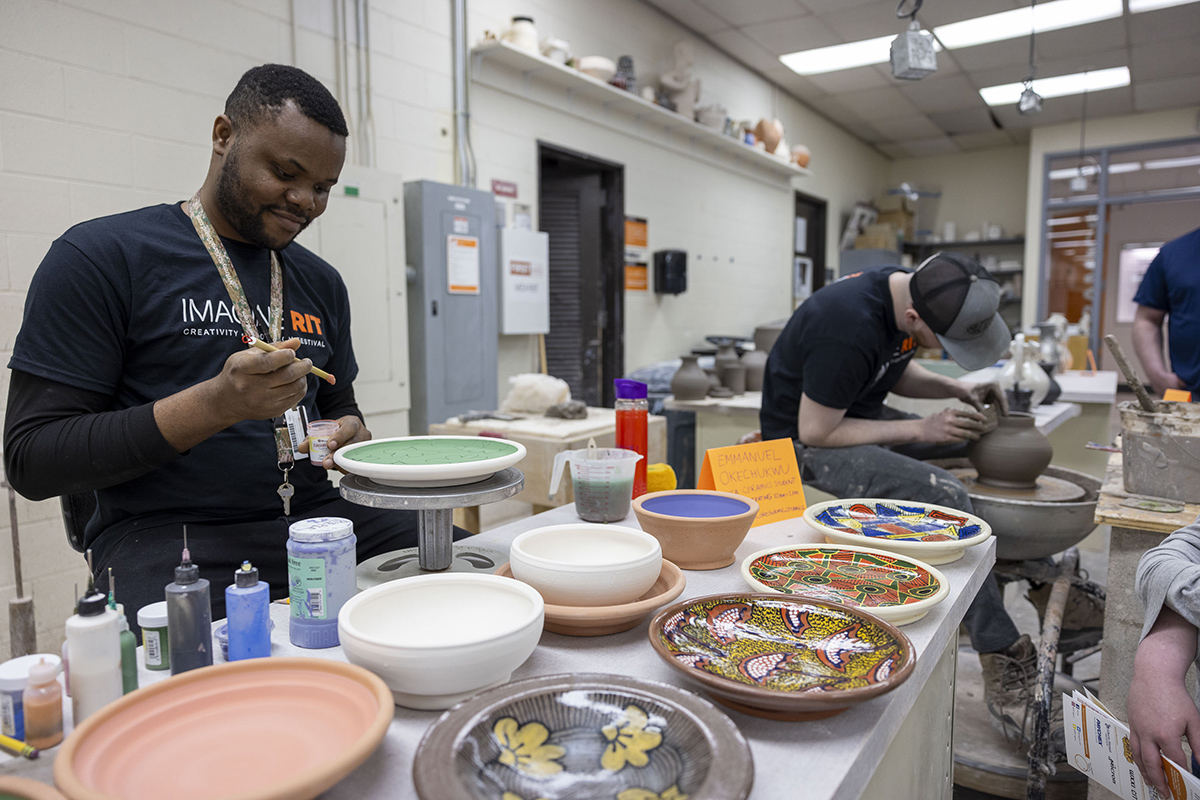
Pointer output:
916, 381
822, 426
1148, 343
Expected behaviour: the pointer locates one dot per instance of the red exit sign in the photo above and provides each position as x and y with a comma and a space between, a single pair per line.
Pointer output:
504, 188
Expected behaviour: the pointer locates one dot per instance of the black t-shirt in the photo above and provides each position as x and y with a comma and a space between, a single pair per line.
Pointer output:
133, 307
841, 348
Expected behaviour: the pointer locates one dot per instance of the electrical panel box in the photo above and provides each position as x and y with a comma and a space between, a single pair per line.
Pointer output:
524, 281
453, 301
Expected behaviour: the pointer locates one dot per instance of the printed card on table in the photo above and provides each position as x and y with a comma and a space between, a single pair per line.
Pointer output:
764, 471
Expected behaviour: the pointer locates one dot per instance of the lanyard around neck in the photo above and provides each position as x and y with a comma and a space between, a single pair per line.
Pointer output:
212, 243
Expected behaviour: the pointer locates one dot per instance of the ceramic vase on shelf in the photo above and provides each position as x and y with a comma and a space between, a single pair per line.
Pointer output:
1013, 455
1031, 375
734, 377
726, 355
523, 34
690, 382
756, 365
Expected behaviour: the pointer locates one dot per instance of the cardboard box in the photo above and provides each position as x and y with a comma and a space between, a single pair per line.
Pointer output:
895, 202
902, 221
875, 241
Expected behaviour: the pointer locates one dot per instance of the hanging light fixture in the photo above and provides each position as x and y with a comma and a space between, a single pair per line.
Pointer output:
913, 56
1030, 101
1087, 168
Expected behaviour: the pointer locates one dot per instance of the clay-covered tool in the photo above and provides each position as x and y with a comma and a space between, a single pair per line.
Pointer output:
1131, 377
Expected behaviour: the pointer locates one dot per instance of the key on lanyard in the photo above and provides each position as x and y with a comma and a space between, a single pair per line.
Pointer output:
283, 446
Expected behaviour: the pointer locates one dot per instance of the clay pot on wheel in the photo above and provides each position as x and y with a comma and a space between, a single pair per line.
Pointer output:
1013, 455
690, 382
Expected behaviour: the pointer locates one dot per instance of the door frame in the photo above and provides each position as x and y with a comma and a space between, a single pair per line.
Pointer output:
612, 255
819, 233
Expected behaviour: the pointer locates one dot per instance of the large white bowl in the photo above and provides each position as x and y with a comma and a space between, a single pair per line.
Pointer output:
438, 639
583, 564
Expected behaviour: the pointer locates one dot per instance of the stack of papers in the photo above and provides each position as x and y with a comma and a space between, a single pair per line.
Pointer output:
1098, 746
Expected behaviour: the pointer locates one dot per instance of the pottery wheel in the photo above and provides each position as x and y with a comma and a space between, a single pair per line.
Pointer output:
1048, 490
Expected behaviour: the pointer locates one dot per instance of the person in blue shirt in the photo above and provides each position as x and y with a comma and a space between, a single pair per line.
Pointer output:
1171, 289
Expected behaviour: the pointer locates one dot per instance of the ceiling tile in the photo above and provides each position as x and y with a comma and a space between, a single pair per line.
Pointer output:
942, 94
1020, 135
893, 150
935, 14
797, 85
792, 35
867, 21
1152, 62
743, 48
1081, 63
833, 108
1082, 39
979, 141
1164, 25
747, 12
901, 129
867, 132
993, 55
930, 147
691, 14
879, 104
967, 120
849, 80
1110, 102
1167, 93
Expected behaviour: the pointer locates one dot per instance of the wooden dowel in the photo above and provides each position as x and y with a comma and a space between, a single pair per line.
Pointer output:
1131, 377
270, 348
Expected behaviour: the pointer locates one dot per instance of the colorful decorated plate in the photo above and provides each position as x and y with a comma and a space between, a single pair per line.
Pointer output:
583, 736
427, 461
935, 534
781, 657
894, 588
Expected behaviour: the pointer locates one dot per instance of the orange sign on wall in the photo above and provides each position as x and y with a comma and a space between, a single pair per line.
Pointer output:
636, 232
764, 471
637, 278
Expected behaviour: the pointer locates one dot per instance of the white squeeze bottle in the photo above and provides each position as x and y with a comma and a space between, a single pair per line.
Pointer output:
94, 649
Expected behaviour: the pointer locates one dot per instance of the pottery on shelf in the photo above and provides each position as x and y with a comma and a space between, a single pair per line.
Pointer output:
1013, 455
698, 528
1055, 390
726, 355
755, 362
522, 34
601, 68
690, 382
624, 77
734, 377
582, 564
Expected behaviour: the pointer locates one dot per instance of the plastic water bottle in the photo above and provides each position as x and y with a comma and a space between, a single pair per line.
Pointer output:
321, 561
248, 608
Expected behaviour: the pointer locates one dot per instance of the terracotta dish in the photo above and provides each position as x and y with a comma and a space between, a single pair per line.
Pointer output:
603, 620
892, 587
26, 789
583, 736
778, 657
698, 528
935, 534
308, 723
427, 461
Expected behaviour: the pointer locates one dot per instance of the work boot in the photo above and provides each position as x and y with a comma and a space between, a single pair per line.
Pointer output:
1010, 690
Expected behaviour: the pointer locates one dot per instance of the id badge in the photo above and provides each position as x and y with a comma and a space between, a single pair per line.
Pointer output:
297, 426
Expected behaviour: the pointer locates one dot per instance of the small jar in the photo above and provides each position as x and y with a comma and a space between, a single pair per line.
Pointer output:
319, 432
14, 677
43, 706
321, 562
156, 651
523, 34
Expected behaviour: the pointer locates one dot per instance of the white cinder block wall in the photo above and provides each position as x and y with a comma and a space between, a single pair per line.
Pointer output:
107, 105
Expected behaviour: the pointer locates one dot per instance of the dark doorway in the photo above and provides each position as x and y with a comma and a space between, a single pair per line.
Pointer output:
808, 265
581, 204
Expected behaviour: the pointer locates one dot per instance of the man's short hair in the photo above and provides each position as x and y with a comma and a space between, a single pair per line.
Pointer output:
263, 92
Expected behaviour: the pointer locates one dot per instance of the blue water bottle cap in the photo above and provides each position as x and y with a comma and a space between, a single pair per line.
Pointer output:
630, 390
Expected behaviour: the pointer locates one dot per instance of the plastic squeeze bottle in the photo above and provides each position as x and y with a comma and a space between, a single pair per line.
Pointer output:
247, 604
189, 617
43, 707
633, 417
129, 676
94, 648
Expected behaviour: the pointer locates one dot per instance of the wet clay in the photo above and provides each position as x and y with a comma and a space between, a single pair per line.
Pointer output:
1013, 455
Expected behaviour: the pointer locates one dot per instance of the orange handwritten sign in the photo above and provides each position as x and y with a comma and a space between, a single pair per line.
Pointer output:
764, 471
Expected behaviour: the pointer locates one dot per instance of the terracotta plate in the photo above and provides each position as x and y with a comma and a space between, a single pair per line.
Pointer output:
415, 461
894, 588
260, 729
603, 620
782, 657
935, 534
26, 789
577, 736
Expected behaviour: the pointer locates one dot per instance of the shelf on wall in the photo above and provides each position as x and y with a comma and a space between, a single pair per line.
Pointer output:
917, 247
669, 129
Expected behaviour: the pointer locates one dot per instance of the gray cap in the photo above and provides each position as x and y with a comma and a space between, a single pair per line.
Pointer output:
959, 300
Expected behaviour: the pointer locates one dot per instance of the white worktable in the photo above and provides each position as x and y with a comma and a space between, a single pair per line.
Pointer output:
907, 731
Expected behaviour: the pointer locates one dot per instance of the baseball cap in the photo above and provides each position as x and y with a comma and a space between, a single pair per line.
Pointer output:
958, 299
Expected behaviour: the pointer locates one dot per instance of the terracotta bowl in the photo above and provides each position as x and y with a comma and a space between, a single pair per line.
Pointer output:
594, 736
437, 639
779, 657
583, 564
892, 587
309, 723
935, 534
604, 620
698, 529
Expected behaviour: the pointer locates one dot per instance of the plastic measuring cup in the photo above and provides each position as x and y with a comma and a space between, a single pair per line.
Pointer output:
603, 483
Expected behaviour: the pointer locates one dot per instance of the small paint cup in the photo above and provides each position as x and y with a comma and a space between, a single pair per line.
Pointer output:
152, 619
319, 431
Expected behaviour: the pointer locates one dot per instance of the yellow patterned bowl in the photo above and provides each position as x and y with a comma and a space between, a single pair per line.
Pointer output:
779, 657
583, 735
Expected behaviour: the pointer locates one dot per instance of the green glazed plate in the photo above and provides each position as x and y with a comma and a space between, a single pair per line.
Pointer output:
417, 461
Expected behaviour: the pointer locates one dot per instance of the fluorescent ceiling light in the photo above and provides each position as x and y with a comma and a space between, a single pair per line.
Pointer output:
1058, 86
1126, 166
1022, 21
1172, 163
1080, 243
842, 56
1067, 234
1064, 220
1138, 6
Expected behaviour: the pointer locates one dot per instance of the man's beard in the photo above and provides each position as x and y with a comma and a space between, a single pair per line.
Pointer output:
244, 218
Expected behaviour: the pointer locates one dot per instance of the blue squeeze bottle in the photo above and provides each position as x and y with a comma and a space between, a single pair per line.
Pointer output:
247, 605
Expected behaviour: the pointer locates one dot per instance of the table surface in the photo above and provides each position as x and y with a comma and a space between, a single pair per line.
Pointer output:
1078, 386
837, 756
1110, 511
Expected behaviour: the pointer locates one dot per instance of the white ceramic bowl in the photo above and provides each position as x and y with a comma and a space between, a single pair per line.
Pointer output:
601, 68
438, 639
586, 565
